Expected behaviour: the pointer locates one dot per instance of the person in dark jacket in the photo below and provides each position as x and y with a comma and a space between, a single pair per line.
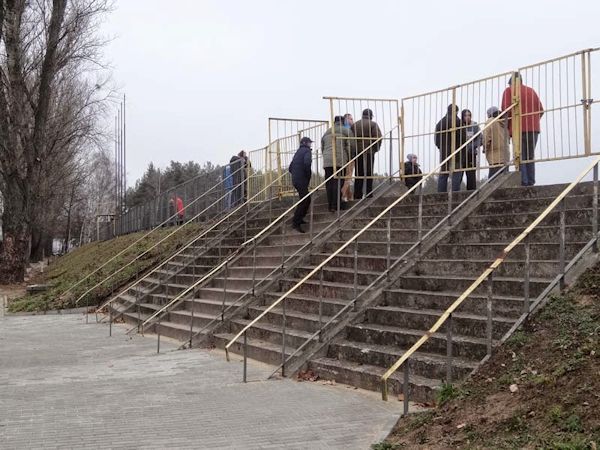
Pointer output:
236, 164
412, 171
301, 170
444, 138
368, 136
469, 162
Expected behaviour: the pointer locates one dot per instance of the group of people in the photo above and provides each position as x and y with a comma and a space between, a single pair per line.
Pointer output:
235, 175
452, 132
347, 147
356, 143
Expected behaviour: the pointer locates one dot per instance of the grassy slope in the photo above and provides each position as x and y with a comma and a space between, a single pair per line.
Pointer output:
72, 267
555, 364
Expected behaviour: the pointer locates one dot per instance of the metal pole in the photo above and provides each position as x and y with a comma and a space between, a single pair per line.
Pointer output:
355, 274
124, 151
420, 214
253, 267
312, 206
321, 305
388, 237
489, 313
158, 335
391, 158
282, 245
449, 350
595, 209
224, 291
110, 319
283, 325
527, 273
405, 385
192, 318
245, 357
562, 244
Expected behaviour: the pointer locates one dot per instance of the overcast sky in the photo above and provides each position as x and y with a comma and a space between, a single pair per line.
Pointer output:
201, 77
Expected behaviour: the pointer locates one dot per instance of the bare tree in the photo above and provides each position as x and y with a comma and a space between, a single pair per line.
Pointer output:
49, 106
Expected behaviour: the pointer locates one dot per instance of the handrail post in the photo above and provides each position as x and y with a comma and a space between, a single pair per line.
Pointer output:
595, 210
489, 324
158, 335
388, 237
282, 246
253, 268
245, 374
192, 316
224, 291
310, 225
527, 274
321, 305
355, 275
562, 244
420, 215
110, 320
283, 327
405, 386
449, 349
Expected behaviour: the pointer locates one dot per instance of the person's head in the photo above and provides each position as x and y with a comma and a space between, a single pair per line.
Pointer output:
452, 110
306, 142
242, 154
367, 114
466, 116
338, 120
412, 158
515, 76
348, 120
493, 111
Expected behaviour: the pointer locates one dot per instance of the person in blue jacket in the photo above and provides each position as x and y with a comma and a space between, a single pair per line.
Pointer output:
301, 170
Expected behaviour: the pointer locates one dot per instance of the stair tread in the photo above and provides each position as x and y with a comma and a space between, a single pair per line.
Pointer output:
295, 296
292, 313
254, 342
417, 333
188, 313
452, 294
473, 278
394, 350
275, 328
374, 370
437, 313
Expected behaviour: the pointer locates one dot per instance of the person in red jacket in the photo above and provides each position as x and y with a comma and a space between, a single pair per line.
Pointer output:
531, 113
180, 210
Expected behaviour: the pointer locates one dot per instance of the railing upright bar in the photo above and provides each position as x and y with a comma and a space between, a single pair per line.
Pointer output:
527, 275
355, 274
192, 306
310, 225
158, 335
388, 250
405, 387
283, 329
321, 305
595, 209
448, 350
110, 321
245, 375
283, 227
224, 291
562, 243
253, 268
489, 313
420, 215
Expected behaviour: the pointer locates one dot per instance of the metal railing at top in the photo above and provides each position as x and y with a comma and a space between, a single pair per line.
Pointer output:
146, 235
553, 104
488, 274
355, 239
223, 266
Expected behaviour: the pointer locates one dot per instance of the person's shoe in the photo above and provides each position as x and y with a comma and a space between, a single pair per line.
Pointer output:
298, 228
344, 206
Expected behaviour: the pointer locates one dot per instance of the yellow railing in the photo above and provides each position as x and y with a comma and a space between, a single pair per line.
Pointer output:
487, 274
349, 241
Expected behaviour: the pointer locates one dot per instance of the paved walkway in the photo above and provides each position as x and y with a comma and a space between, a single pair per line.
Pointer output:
65, 384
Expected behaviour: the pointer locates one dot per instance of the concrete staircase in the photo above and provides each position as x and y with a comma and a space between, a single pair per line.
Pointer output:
368, 347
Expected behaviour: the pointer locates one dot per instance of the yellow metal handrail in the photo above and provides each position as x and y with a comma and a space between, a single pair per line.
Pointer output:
484, 275
168, 220
361, 231
254, 239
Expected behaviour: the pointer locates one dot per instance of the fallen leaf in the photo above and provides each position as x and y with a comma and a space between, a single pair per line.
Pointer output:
513, 388
400, 397
462, 425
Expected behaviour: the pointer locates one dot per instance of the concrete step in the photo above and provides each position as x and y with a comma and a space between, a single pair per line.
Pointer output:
210, 307
502, 285
463, 324
257, 349
309, 304
421, 389
296, 320
184, 317
427, 365
581, 216
577, 233
509, 268
369, 247
374, 263
504, 306
468, 347
491, 250
312, 288
271, 333
343, 275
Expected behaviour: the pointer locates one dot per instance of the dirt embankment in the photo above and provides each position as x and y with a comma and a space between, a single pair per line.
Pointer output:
540, 391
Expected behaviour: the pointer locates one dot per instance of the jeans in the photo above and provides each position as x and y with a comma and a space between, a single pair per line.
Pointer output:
333, 188
528, 142
494, 170
364, 168
303, 206
471, 177
456, 180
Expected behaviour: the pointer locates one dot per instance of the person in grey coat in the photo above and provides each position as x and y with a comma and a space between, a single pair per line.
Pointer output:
301, 170
331, 164
468, 158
